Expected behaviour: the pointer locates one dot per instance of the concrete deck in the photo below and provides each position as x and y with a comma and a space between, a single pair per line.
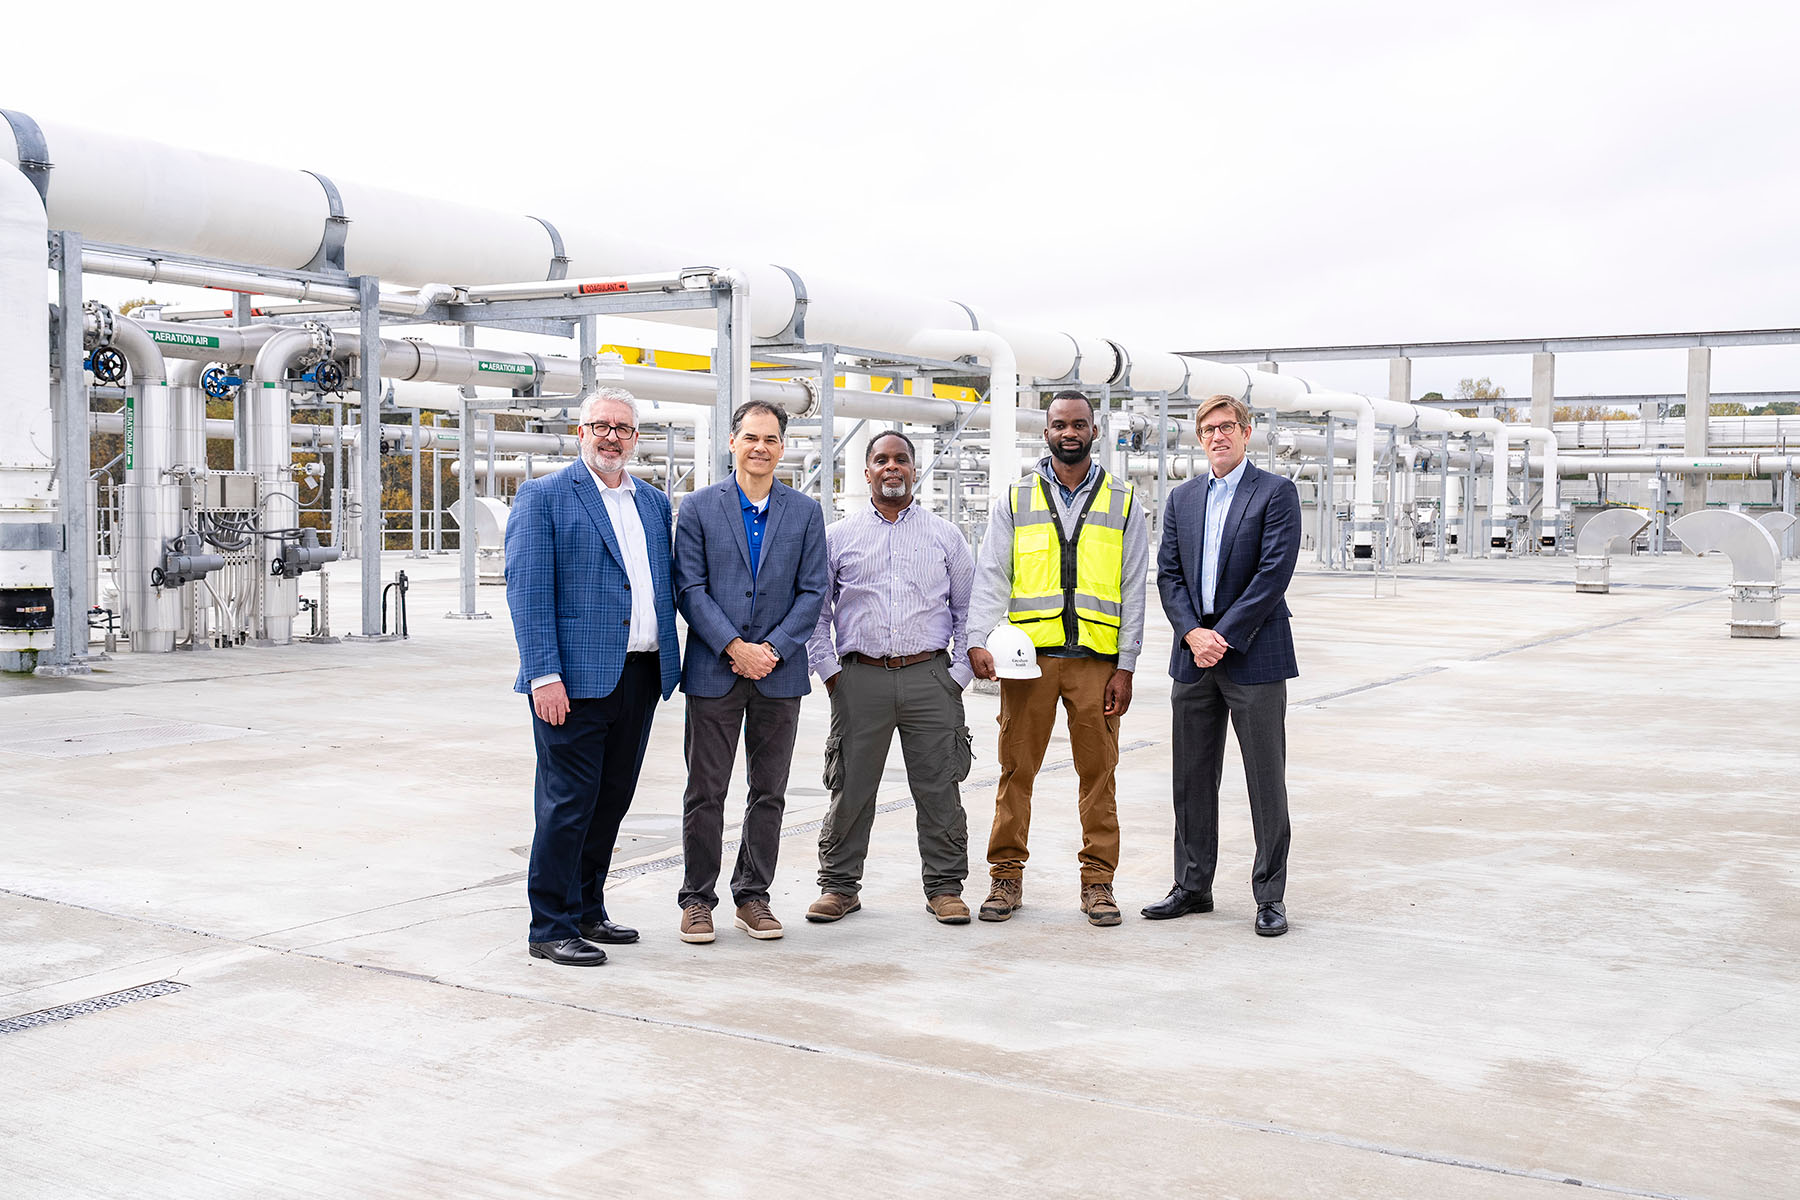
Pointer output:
1545, 895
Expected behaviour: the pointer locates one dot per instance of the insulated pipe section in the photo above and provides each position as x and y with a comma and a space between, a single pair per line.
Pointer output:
28, 534
1755, 566
1668, 464
150, 502
267, 451
1605, 531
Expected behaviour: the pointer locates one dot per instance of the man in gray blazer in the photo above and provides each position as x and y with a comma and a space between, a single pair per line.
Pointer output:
750, 577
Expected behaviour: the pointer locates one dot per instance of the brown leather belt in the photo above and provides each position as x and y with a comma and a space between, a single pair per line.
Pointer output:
895, 662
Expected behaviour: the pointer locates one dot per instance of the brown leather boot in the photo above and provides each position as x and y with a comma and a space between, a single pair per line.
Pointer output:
948, 908
832, 906
1005, 898
1098, 903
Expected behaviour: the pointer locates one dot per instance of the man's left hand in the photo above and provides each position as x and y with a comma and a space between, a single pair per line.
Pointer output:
1207, 647
1118, 693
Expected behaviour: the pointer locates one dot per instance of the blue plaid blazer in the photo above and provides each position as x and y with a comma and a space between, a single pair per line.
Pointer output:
567, 588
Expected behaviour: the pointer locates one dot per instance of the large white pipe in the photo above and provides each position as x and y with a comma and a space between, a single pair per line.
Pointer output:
27, 508
1003, 389
1550, 510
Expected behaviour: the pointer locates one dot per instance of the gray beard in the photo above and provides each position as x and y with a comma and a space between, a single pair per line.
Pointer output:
894, 491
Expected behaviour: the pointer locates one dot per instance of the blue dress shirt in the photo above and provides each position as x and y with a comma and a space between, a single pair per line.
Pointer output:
1218, 505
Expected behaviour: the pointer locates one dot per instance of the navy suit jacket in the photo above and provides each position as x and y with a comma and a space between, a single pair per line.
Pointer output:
1257, 557
567, 588
722, 600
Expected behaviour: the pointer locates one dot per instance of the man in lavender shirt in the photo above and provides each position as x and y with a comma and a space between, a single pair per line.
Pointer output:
899, 600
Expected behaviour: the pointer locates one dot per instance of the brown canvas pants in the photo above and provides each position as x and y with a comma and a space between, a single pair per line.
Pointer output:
1027, 716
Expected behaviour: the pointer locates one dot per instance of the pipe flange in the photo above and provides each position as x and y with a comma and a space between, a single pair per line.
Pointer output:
812, 397
322, 342
100, 317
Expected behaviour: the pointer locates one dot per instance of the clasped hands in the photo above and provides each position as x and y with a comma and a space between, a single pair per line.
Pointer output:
752, 661
1206, 646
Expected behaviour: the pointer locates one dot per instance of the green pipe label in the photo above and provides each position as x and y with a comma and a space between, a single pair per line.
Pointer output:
173, 337
501, 368
130, 428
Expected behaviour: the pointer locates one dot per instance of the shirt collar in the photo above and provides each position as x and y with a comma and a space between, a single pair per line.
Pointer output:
1233, 477
1049, 472
628, 487
904, 513
746, 501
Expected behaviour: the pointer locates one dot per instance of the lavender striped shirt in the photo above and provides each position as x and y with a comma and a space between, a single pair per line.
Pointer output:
897, 587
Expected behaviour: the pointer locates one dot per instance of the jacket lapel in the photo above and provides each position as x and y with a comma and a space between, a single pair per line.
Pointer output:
735, 508
596, 509
777, 507
1234, 516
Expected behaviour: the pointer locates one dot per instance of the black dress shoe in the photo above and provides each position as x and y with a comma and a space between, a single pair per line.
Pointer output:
607, 933
570, 952
1179, 903
1271, 919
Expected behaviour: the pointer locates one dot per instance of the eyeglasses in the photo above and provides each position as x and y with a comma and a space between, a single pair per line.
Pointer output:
601, 428
1222, 429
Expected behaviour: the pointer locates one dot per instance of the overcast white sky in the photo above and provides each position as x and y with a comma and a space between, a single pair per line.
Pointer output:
1189, 176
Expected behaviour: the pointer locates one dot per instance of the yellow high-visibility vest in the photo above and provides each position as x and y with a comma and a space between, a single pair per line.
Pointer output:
1057, 582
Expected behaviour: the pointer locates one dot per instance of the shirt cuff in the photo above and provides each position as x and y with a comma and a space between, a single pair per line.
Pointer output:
541, 680
962, 674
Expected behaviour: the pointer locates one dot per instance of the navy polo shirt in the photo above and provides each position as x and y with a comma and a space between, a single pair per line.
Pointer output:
756, 518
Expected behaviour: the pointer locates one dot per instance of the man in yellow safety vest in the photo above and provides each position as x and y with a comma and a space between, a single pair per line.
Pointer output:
1065, 559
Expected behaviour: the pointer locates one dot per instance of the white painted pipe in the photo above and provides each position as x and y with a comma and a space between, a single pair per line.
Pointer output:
150, 500
27, 447
1675, 464
1003, 389
1550, 511
265, 401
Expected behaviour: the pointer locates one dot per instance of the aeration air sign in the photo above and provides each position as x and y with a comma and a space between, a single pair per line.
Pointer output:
502, 368
172, 337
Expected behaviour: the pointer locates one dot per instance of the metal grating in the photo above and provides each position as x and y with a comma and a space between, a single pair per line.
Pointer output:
85, 737
81, 1008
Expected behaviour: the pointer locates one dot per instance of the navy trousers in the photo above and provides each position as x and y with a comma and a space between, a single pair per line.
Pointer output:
587, 772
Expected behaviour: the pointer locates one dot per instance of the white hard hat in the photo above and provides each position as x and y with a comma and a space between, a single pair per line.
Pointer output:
1014, 655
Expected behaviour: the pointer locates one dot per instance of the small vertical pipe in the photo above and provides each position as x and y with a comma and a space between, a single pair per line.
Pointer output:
369, 446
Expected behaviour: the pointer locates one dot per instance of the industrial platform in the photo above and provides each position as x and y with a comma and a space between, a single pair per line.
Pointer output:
1545, 894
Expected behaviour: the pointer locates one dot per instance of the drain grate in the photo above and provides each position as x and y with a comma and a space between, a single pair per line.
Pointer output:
81, 1008
84, 737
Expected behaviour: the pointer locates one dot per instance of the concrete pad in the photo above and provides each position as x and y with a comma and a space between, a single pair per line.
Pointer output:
1545, 885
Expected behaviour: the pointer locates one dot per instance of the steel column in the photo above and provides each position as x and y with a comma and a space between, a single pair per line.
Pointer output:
69, 596
368, 444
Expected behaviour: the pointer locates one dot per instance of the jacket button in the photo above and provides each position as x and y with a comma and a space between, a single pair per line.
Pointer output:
628, 587
626, 622
749, 594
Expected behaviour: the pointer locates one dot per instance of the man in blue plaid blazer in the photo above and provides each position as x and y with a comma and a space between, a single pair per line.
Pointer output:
590, 582
1229, 545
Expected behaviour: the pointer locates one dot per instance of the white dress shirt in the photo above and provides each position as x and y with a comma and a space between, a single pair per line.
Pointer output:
628, 528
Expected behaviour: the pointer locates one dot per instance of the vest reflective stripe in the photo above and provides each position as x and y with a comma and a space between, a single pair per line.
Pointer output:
1043, 591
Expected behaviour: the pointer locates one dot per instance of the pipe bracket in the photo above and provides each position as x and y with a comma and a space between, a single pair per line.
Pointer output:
34, 152
795, 333
330, 254
559, 257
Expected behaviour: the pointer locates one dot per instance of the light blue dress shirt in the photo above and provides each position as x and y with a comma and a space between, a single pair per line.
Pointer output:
1218, 504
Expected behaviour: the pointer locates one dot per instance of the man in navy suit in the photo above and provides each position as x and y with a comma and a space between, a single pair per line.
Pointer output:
590, 583
750, 577
1229, 545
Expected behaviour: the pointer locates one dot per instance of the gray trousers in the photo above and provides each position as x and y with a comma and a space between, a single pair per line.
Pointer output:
868, 703
711, 741
1258, 713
